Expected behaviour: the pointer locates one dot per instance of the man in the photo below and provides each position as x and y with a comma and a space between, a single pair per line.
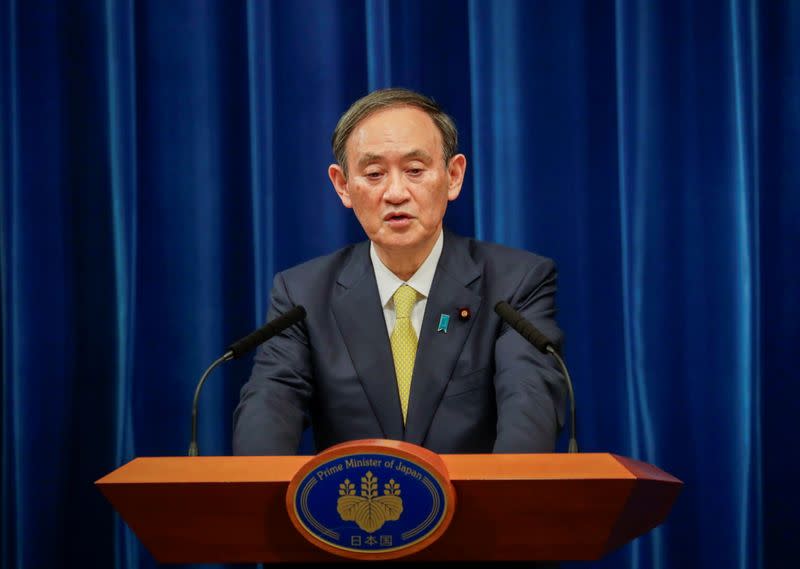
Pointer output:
401, 340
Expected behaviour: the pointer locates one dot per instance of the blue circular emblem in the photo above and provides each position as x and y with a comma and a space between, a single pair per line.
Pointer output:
370, 502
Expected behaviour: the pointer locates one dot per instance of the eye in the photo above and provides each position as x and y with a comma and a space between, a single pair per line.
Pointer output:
415, 171
373, 175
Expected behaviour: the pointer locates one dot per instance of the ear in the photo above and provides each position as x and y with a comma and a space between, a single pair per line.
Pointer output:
339, 181
455, 174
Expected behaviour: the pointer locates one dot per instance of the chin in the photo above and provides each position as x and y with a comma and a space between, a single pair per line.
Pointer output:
394, 240
404, 245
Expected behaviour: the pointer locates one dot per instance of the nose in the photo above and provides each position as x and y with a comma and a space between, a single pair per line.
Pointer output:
396, 191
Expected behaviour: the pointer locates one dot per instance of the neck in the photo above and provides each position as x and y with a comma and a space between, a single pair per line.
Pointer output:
402, 262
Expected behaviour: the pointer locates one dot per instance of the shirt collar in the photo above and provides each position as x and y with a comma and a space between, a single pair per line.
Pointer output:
420, 281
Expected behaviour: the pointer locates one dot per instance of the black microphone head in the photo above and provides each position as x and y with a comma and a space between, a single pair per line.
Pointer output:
298, 313
521, 325
270, 329
504, 311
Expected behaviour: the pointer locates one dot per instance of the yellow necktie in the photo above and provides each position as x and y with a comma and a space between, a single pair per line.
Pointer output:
404, 343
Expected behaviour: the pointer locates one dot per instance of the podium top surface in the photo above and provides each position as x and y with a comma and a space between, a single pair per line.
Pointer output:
461, 467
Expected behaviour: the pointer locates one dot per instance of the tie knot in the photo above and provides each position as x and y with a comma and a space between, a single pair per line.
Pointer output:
404, 299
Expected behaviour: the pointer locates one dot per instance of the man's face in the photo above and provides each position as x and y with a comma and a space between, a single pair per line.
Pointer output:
397, 183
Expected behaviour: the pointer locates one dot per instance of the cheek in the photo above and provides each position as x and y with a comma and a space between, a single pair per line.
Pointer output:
435, 206
357, 195
365, 205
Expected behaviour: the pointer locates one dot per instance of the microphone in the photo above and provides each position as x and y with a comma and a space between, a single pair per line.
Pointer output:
240, 348
544, 345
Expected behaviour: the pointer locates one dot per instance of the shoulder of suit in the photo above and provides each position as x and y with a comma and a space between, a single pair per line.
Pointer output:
503, 257
324, 264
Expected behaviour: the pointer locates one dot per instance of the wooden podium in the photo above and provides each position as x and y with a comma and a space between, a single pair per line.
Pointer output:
510, 507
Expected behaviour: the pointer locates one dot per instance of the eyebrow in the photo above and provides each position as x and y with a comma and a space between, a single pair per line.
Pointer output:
416, 154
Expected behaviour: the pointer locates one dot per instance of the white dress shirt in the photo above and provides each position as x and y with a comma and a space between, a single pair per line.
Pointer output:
421, 281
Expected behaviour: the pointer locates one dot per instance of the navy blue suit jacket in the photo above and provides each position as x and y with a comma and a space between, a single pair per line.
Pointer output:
478, 388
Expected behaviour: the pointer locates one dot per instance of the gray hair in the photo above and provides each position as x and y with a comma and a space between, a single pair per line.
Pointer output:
387, 98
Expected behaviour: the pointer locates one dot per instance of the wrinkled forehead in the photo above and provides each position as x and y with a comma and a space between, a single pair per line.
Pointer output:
400, 129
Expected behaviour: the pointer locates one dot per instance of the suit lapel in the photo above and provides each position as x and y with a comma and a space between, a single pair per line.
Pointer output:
359, 315
438, 352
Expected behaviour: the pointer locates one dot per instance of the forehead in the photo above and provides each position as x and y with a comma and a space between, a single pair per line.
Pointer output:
396, 129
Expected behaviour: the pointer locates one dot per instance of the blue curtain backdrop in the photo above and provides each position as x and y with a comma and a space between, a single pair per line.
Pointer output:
160, 161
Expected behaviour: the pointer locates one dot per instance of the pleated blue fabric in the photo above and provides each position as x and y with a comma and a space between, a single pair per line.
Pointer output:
160, 161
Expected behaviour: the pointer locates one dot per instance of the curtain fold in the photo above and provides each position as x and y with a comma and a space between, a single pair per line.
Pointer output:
262, 140
120, 72
160, 162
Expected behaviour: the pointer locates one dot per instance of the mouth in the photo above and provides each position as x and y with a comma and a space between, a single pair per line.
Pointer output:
397, 217
398, 220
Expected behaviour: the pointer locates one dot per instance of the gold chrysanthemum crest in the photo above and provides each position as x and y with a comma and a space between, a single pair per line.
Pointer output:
369, 510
